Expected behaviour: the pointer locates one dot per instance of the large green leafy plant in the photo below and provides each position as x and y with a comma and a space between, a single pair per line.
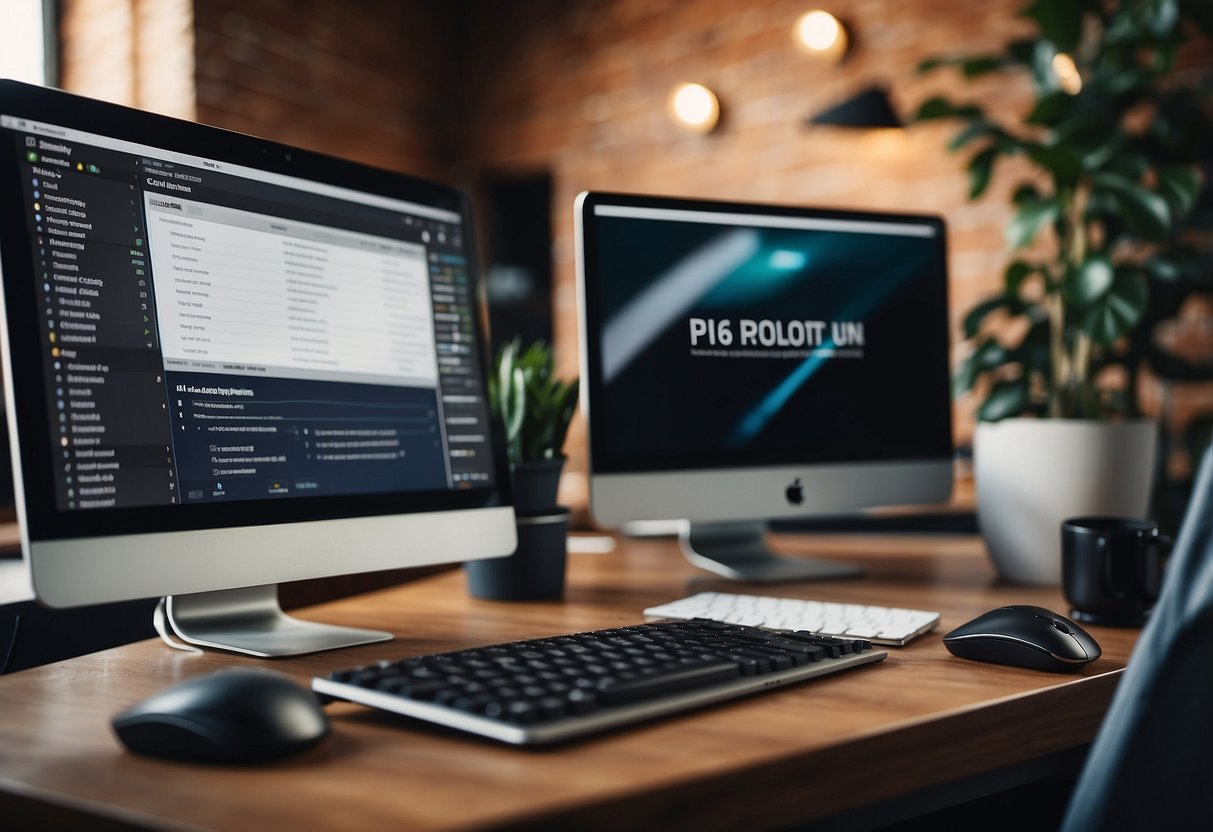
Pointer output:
534, 406
1115, 174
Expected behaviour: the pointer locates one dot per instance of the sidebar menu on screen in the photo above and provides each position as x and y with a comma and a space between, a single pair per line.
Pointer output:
106, 396
465, 411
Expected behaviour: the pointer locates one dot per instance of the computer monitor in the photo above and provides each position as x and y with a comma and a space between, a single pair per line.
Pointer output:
231, 363
750, 362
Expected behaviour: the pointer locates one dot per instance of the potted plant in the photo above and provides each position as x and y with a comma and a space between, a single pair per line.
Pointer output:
1113, 141
535, 409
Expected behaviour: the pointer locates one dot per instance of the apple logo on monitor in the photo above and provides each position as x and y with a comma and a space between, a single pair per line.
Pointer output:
795, 492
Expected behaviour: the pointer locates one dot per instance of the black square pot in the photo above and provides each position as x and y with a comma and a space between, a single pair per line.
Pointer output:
536, 569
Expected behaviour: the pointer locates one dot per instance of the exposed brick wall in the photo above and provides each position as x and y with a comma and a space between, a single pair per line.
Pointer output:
96, 49
581, 87
164, 57
373, 81
134, 52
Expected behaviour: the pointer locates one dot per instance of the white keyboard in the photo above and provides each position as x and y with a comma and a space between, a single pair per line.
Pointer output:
880, 625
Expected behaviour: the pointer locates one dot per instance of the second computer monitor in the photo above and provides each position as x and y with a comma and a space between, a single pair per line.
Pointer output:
232, 363
747, 362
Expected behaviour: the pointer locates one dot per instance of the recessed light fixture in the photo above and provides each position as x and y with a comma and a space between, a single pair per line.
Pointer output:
694, 107
821, 35
1067, 73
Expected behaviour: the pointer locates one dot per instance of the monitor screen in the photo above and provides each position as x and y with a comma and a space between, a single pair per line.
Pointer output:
726, 336
207, 330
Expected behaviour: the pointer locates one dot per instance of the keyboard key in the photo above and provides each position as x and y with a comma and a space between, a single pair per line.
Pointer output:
647, 687
522, 712
582, 701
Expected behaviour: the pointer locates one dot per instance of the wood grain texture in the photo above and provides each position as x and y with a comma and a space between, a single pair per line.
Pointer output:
919, 719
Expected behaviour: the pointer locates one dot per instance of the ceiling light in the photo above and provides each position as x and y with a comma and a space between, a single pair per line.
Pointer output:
822, 35
694, 107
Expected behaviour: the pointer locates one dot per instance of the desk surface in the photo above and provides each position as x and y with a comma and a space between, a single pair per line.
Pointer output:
917, 720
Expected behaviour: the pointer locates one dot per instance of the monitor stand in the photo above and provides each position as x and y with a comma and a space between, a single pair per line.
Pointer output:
250, 621
739, 551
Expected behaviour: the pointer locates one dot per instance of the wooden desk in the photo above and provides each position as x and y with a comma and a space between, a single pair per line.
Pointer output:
920, 719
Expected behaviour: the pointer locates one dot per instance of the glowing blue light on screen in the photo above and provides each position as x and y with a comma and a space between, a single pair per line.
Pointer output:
877, 294
764, 275
786, 260
754, 421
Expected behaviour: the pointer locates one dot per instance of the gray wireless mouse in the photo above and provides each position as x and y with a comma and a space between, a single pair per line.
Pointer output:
233, 716
1024, 636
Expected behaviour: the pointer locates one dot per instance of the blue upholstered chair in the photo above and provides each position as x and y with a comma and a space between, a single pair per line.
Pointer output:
1151, 766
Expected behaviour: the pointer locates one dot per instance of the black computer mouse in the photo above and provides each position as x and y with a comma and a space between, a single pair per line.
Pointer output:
1025, 637
233, 716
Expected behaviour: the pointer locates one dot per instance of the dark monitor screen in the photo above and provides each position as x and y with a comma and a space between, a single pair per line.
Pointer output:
203, 324
725, 335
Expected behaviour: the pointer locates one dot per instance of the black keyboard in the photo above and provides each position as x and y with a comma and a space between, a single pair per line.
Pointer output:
551, 689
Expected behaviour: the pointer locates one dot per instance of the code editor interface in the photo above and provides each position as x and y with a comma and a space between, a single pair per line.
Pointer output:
214, 332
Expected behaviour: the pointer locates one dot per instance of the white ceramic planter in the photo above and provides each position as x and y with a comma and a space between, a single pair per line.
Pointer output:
1033, 473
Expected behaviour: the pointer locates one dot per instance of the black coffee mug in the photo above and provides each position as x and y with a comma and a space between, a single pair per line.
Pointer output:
1111, 568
